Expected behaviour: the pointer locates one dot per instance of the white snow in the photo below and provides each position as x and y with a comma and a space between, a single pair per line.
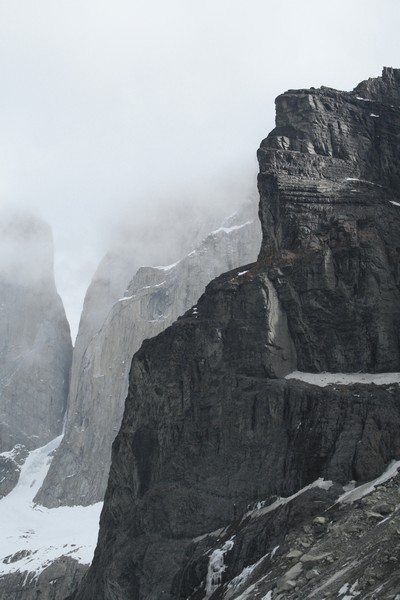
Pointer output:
363, 180
367, 488
242, 273
247, 571
372, 115
348, 592
11, 454
324, 379
125, 298
394, 203
216, 567
263, 510
168, 267
364, 99
332, 579
230, 229
45, 533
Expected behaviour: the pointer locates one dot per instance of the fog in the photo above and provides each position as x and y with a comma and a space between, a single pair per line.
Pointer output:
141, 120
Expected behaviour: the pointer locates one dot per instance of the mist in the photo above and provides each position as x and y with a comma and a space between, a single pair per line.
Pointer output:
138, 123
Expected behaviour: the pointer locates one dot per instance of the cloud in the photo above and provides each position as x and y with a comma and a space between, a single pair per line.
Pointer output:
116, 112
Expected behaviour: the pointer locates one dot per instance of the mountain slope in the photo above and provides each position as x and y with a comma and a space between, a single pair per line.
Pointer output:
35, 344
210, 427
155, 297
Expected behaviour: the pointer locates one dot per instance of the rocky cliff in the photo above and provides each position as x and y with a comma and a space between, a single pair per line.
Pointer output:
329, 184
154, 299
35, 345
212, 430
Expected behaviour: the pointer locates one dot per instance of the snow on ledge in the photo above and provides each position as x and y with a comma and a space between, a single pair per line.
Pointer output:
260, 508
230, 229
367, 488
43, 534
324, 379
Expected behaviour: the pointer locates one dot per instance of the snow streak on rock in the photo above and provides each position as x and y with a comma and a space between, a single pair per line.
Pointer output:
324, 379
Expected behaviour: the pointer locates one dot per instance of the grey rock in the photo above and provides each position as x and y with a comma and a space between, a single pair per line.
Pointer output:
55, 582
35, 342
155, 297
209, 424
329, 186
10, 468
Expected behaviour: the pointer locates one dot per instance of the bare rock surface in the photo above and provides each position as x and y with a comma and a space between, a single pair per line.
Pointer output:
155, 297
35, 342
211, 428
52, 584
330, 210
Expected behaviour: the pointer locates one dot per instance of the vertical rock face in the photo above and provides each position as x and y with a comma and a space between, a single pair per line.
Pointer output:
209, 425
154, 299
35, 343
330, 211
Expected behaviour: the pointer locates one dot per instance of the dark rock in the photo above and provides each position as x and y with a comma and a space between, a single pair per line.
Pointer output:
208, 422
155, 297
329, 174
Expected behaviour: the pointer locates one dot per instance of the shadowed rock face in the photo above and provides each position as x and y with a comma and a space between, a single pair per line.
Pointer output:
330, 192
35, 342
155, 297
209, 425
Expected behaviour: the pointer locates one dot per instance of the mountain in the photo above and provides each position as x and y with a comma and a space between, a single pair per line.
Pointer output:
154, 299
229, 467
35, 345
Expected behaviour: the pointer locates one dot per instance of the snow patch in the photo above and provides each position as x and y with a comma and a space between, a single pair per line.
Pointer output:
39, 534
367, 488
230, 229
324, 379
168, 267
394, 203
375, 116
11, 454
364, 99
261, 509
216, 567
125, 298
363, 180
247, 571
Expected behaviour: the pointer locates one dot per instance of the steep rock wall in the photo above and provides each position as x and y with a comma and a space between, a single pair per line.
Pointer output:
35, 342
330, 211
154, 299
209, 425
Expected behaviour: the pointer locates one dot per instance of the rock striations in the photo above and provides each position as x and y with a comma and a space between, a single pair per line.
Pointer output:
154, 299
35, 345
330, 184
213, 432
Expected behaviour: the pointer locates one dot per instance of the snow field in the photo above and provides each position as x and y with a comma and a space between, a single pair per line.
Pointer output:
41, 533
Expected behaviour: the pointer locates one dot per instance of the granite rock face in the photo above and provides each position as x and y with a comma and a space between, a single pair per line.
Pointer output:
210, 431
154, 299
35, 342
210, 427
330, 211
53, 583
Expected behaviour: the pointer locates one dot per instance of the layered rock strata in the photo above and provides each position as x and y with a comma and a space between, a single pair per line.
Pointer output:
155, 297
210, 427
330, 208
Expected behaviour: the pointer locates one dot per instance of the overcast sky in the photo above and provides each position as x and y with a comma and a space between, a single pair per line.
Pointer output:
113, 113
